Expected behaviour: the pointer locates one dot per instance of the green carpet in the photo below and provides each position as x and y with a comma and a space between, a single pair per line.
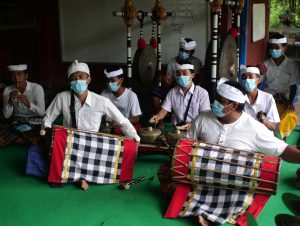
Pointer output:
26, 200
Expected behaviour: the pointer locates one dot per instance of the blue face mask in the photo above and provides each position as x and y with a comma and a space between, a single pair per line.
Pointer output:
113, 86
249, 85
183, 81
183, 55
78, 86
218, 108
275, 53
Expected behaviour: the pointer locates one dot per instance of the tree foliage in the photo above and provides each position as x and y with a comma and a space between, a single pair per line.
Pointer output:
279, 7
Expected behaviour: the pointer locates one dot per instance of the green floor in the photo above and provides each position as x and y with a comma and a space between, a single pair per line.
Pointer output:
26, 200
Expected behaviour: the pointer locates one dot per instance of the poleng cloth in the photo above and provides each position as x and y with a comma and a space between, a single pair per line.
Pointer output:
95, 157
218, 204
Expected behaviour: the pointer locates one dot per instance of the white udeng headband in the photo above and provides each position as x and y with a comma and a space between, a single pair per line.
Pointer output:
76, 66
231, 93
187, 45
184, 67
20, 67
278, 41
252, 70
113, 73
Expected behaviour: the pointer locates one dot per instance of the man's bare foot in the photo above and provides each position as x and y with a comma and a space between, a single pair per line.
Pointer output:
203, 221
84, 185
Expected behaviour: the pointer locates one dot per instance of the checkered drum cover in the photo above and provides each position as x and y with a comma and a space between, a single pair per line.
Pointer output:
209, 196
95, 157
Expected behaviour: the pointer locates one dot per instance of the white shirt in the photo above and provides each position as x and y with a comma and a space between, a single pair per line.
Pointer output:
35, 94
127, 103
278, 79
171, 68
245, 133
89, 115
265, 103
177, 101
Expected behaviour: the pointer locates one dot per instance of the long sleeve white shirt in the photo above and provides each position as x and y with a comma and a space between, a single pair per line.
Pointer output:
88, 115
35, 94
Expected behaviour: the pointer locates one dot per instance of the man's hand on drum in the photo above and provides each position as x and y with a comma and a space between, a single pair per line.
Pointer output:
186, 126
155, 119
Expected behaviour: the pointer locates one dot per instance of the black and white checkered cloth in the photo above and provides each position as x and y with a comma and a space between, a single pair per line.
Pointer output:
92, 157
220, 167
225, 167
216, 205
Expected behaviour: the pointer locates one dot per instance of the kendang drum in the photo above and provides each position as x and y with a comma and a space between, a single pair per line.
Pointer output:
196, 162
219, 183
95, 157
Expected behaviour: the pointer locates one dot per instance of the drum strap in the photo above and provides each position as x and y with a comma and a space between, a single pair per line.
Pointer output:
187, 110
72, 110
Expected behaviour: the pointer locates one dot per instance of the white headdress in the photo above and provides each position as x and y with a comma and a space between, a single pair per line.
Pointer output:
231, 93
252, 70
113, 73
278, 40
20, 67
184, 67
187, 45
76, 66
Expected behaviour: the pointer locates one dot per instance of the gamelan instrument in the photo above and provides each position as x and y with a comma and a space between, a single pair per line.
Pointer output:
196, 162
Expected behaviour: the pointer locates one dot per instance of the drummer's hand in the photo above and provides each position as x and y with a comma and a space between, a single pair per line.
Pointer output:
186, 126
290, 108
154, 119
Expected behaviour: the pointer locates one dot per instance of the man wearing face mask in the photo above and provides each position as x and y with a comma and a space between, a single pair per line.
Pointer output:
227, 125
124, 99
83, 109
259, 104
88, 106
187, 48
282, 74
186, 100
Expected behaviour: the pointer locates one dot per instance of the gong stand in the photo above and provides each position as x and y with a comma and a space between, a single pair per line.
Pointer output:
157, 15
216, 8
128, 12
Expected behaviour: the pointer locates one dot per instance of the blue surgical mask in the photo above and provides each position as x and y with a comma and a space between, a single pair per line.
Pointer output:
113, 86
249, 85
218, 108
78, 86
183, 55
275, 53
183, 81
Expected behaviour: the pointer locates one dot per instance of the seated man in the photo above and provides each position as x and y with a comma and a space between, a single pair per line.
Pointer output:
259, 104
281, 78
24, 103
23, 99
187, 48
227, 125
84, 109
186, 100
124, 99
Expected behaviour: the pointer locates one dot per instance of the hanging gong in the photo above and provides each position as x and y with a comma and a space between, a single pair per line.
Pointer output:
144, 64
227, 59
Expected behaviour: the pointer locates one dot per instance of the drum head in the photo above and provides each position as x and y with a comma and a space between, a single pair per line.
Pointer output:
144, 64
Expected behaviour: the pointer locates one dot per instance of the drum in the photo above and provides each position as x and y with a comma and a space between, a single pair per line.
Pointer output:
94, 157
196, 163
